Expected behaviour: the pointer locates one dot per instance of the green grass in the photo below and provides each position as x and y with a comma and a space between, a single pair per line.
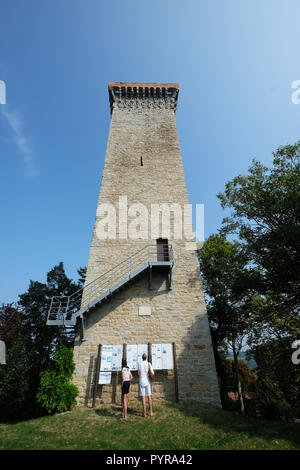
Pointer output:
184, 426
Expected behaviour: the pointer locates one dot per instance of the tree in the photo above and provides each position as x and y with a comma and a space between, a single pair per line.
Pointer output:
35, 305
228, 284
14, 382
248, 377
82, 276
42, 340
265, 207
56, 393
278, 379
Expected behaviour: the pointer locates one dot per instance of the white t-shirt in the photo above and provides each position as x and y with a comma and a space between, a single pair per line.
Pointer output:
126, 372
143, 369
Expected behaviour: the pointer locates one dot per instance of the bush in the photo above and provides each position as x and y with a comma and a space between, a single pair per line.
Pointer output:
247, 375
14, 384
272, 408
15, 374
278, 379
250, 406
56, 393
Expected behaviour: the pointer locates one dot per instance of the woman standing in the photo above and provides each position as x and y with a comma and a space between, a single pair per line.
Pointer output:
126, 378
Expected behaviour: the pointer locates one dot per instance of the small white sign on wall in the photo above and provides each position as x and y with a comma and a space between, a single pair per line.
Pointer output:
144, 310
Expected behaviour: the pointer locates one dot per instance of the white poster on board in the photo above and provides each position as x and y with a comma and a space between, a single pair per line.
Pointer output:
156, 357
106, 358
132, 356
117, 352
142, 349
167, 356
104, 378
162, 356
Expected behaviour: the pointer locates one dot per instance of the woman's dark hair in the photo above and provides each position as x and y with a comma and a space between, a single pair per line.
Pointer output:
124, 363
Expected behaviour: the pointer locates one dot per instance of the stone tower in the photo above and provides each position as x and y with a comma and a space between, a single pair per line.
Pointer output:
142, 177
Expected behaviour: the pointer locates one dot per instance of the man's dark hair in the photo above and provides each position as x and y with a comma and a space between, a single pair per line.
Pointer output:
144, 357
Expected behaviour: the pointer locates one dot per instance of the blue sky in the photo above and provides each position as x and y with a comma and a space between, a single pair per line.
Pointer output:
234, 60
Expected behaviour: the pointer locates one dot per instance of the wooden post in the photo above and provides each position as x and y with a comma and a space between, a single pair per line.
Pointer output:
114, 387
98, 365
117, 382
149, 353
175, 373
124, 357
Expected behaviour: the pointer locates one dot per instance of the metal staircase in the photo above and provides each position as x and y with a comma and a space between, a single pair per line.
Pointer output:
65, 311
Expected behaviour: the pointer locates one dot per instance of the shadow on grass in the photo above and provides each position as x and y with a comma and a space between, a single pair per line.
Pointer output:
232, 422
116, 412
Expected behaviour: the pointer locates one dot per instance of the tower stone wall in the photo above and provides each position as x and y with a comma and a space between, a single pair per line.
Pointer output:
143, 165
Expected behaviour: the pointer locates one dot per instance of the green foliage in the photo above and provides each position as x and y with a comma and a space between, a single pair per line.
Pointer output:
14, 383
253, 285
56, 393
270, 407
278, 379
42, 340
14, 380
64, 363
31, 346
228, 281
35, 305
229, 286
247, 375
265, 213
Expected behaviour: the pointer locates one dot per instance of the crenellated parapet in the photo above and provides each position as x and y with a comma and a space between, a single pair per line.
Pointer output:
143, 95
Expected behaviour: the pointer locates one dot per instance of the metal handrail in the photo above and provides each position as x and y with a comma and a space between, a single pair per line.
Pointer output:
66, 305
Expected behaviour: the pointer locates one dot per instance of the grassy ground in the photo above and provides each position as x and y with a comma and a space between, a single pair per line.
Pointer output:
184, 426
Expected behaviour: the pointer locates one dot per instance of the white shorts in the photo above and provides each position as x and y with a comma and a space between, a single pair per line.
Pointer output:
145, 390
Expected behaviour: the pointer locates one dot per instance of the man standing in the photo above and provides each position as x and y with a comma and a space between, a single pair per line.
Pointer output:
144, 383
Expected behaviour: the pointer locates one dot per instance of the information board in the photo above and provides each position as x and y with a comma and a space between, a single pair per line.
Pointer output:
117, 353
156, 357
104, 378
111, 360
134, 354
106, 358
167, 356
162, 356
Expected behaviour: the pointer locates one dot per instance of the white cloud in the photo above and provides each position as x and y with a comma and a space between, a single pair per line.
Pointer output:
15, 123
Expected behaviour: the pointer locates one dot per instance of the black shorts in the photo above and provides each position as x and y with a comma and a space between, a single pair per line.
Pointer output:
125, 387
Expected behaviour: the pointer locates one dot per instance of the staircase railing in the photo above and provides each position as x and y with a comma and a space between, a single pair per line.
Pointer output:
63, 308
